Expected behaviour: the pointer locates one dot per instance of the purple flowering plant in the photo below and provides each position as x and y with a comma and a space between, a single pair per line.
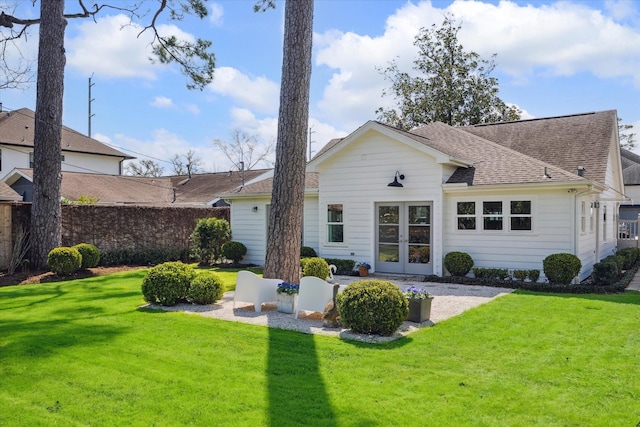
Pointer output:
288, 288
416, 293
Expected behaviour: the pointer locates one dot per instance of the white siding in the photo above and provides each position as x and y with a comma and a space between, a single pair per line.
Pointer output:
250, 227
551, 230
13, 157
358, 179
90, 163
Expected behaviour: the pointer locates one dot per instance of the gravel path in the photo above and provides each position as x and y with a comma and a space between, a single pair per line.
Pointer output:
449, 300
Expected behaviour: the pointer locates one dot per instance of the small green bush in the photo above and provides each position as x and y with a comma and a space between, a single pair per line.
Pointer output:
167, 283
630, 256
90, 255
64, 261
234, 251
561, 268
308, 252
618, 260
344, 266
372, 307
150, 256
206, 288
317, 267
208, 237
605, 272
458, 263
533, 275
491, 273
520, 275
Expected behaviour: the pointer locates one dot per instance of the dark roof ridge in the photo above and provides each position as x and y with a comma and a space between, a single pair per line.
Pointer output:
564, 116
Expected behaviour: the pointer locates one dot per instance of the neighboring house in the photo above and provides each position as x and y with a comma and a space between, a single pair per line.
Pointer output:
631, 176
509, 194
7, 194
79, 152
124, 189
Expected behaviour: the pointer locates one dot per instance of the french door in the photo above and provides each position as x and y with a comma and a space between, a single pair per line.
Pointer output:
403, 238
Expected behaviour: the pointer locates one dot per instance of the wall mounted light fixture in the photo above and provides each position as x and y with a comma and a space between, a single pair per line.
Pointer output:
254, 209
395, 182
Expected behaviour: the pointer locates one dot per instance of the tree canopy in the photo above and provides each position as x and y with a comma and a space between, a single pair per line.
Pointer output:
449, 85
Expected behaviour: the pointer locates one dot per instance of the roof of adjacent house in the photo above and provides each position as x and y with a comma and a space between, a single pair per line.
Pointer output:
200, 189
264, 186
17, 128
7, 194
630, 167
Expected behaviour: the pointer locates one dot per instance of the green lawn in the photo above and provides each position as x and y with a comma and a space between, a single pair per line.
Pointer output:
83, 353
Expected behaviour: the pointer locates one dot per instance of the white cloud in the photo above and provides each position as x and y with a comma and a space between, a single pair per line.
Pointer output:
161, 102
257, 93
216, 13
115, 47
560, 39
193, 109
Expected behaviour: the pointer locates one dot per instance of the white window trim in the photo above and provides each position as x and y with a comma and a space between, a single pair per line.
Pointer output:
506, 214
326, 224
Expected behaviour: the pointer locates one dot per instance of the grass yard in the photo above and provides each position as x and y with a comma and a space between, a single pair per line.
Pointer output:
83, 353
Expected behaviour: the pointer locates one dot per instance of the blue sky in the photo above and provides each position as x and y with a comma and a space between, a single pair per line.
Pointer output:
553, 58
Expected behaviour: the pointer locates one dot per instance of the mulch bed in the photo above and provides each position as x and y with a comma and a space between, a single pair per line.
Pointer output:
31, 277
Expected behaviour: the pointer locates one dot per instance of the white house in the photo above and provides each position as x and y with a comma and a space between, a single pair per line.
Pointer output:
509, 194
79, 152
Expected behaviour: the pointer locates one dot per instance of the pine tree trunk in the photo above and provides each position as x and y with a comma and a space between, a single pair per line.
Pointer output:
287, 198
46, 211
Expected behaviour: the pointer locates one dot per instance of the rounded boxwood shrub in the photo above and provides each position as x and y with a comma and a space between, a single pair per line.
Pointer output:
308, 252
205, 288
605, 272
458, 263
317, 267
372, 307
167, 283
234, 251
90, 255
561, 268
64, 261
630, 256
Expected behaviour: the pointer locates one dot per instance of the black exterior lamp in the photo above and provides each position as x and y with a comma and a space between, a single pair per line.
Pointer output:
395, 182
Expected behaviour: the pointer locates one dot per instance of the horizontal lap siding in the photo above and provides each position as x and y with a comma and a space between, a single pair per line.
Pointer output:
250, 228
551, 216
358, 179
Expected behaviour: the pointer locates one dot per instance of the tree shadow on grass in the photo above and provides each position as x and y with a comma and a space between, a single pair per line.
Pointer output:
296, 390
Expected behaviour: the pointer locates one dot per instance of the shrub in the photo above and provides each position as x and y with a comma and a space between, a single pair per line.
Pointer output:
308, 252
630, 256
234, 251
64, 261
458, 263
344, 266
208, 237
534, 275
90, 255
152, 256
205, 288
167, 283
520, 274
605, 273
372, 307
491, 273
616, 259
561, 268
317, 267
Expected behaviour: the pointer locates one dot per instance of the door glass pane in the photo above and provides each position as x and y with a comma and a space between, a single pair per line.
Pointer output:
419, 254
388, 233
419, 215
419, 234
389, 215
388, 253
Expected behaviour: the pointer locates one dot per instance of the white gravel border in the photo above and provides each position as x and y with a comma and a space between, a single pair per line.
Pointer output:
449, 300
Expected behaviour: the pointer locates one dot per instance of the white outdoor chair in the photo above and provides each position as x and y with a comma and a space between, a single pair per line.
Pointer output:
314, 294
254, 289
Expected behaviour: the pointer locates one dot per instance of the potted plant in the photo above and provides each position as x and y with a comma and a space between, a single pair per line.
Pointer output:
363, 268
287, 297
419, 304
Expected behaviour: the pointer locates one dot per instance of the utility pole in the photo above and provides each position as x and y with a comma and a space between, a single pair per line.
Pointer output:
90, 101
310, 140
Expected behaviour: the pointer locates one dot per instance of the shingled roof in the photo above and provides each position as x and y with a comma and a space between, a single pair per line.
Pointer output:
199, 187
264, 186
17, 128
566, 141
630, 167
7, 194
